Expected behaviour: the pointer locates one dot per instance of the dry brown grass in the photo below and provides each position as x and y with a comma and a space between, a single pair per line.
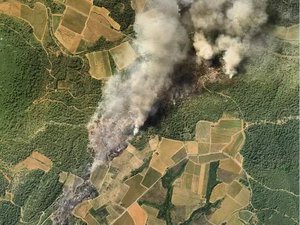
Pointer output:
218, 192
191, 147
221, 215
69, 39
11, 8
82, 209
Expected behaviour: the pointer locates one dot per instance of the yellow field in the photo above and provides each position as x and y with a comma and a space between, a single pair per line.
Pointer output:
203, 179
221, 215
213, 157
218, 192
123, 55
153, 143
99, 65
237, 196
168, 148
191, 147
36, 17
69, 39
203, 131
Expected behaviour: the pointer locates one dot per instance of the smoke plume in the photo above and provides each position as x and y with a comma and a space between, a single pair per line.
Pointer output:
226, 27
161, 41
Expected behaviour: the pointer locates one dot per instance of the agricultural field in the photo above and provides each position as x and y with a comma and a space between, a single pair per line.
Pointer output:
82, 24
123, 55
168, 189
99, 65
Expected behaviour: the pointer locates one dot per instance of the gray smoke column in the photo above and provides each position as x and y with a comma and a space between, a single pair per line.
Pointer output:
161, 42
226, 27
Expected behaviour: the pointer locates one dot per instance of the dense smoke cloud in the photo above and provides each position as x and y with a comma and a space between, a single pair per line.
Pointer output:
226, 27
161, 42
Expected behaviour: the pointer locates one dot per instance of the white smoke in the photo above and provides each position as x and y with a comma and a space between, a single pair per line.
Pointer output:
226, 27
161, 42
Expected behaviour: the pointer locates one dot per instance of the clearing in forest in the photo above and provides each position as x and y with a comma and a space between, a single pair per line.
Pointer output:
35, 161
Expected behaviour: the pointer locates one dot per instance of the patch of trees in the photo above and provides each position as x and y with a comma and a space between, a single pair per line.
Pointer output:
282, 202
66, 146
22, 69
48, 190
29, 181
266, 89
284, 13
9, 214
167, 182
271, 154
212, 179
3, 184
55, 7
120, 10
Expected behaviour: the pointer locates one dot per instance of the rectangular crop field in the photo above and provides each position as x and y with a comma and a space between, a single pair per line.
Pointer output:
99, 65
203, 131
83, 6
74, 20
123, 55
124, 219
151, 177
135, 190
